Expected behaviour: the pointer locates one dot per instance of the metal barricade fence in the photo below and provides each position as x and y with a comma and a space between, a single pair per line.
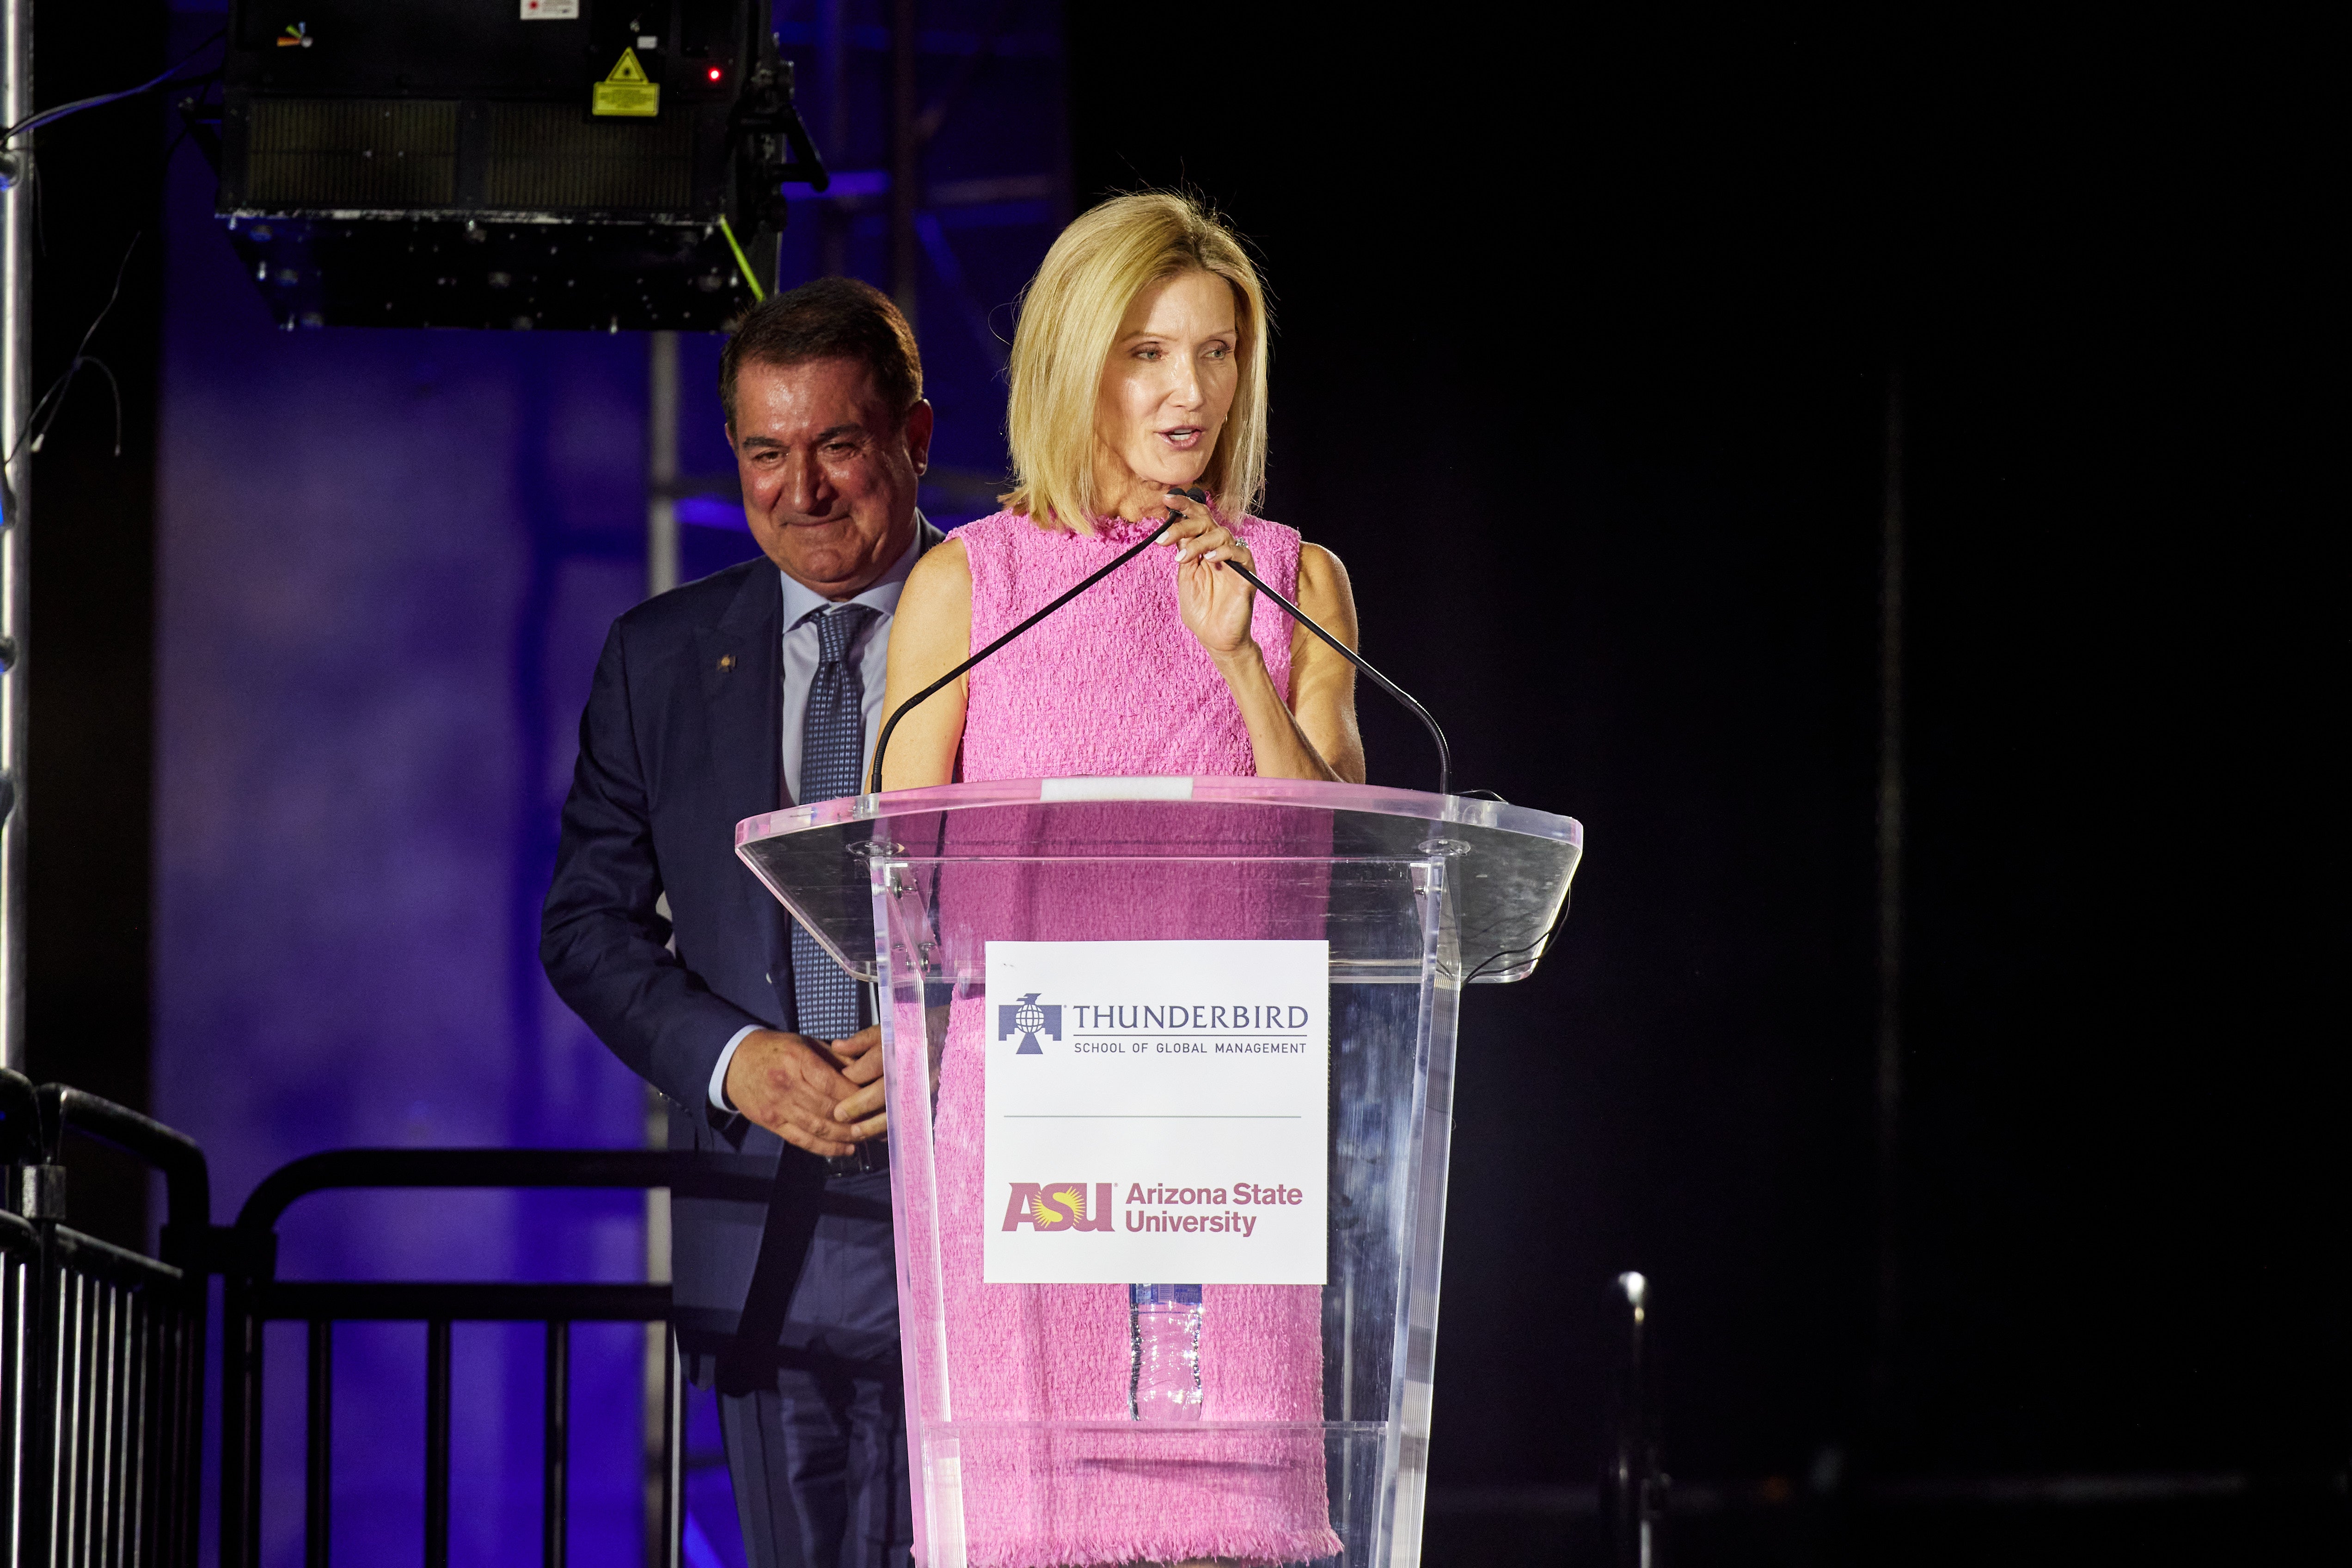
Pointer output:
20, 1267
104, 1381
256, 1297
103, 1349
20, 1272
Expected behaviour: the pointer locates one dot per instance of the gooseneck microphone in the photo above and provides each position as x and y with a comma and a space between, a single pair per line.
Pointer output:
1445, 755
1199, 497
874, 779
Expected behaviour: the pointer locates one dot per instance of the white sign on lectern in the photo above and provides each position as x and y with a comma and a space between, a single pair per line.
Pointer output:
1157, 1111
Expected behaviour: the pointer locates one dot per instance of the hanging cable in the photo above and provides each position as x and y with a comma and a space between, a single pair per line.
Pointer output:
49, 116
44, 411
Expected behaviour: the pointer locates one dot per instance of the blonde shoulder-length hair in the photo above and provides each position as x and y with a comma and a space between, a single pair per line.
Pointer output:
1069, 321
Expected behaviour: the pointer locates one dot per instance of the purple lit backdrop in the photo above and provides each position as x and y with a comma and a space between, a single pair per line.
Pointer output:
387, 561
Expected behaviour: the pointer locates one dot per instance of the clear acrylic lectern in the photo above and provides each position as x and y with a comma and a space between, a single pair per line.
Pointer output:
1210, 1096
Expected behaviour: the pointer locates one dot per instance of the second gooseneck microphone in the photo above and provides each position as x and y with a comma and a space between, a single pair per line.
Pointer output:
1445, 754
1199, 498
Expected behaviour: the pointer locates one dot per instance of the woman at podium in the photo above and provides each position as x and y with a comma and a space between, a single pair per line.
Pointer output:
1138, 368
1138, 371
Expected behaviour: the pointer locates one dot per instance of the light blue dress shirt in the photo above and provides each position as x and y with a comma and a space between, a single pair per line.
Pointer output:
802, 652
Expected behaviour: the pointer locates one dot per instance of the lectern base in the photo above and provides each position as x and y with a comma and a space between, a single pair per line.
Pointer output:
1041, 1483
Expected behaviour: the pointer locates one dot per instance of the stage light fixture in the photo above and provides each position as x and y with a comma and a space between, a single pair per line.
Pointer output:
507, 164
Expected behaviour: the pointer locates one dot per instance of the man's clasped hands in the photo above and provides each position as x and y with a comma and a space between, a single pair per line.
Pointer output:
824, 1096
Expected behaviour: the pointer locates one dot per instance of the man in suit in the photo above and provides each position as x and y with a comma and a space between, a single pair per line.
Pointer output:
757, 688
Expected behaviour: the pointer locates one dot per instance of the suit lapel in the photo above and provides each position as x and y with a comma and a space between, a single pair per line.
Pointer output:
742, 675
742, 690
743, 682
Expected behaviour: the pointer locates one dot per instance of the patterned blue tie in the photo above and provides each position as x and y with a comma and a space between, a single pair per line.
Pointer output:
833, 750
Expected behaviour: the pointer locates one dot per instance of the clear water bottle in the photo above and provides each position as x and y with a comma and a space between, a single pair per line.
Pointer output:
1165, 1385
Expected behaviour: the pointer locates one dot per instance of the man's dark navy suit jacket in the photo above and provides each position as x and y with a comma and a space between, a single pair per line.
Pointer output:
681, 739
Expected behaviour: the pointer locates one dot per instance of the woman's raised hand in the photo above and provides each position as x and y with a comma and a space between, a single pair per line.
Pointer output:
1216, 604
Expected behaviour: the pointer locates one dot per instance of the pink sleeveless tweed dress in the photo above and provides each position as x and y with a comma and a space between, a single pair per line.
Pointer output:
1113, 684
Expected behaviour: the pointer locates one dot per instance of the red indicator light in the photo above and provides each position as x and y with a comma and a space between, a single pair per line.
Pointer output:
714, 73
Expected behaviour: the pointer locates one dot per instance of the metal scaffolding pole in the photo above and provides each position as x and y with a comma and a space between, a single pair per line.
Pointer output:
833, 65
16, 600
661, 463
906, 159
661, 576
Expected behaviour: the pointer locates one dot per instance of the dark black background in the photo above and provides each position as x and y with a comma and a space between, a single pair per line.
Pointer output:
1585, 337
1585, 334
98, 201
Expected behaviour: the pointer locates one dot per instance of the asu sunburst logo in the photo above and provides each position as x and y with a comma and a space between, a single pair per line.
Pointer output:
1052, 1208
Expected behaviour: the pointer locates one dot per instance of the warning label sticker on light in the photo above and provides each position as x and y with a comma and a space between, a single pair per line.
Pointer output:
626, 90
550, 10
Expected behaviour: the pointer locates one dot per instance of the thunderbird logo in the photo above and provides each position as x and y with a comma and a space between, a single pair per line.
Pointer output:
1028, 1018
